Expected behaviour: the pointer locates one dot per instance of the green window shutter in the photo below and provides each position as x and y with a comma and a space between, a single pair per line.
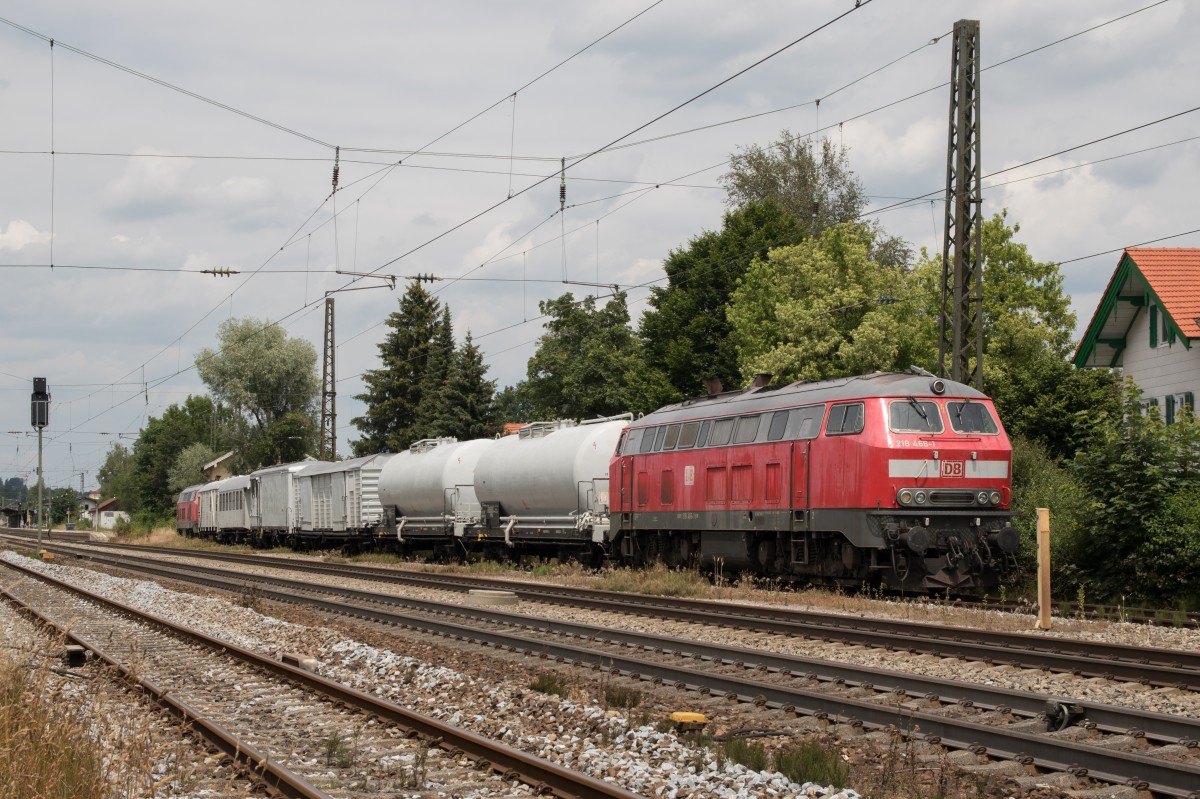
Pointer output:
1170, 409
1153, 325
1189, 400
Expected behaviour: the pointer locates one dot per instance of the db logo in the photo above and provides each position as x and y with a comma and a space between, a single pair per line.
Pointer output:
954, 468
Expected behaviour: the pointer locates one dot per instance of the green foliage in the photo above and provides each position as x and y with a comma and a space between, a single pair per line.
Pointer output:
549, 683
513, 405
272, 381
1141, 482
750, 754
13, 489
686, 332
437, 374
813, 761
589, 364
466, 402
618, 696
188, 467
820, 309
163, 439
427, 387
395, 392
1039, 480
818, 189
64, 502
116, 476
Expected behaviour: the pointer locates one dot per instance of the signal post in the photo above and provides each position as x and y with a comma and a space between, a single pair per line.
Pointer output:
39, 414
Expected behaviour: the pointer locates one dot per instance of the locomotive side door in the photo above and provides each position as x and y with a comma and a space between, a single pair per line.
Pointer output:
627, 490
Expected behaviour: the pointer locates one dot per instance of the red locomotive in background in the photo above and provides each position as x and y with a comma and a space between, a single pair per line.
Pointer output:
894, 479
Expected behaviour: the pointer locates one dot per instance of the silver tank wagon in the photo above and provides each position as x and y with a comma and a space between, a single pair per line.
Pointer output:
431, 488
549, 483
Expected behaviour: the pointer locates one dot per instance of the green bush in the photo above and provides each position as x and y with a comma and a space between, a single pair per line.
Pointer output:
750, 754
1141, 478
549, 683
1040, 481
813, 761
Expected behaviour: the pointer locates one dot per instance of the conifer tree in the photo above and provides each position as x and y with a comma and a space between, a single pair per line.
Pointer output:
468, 406
393, 392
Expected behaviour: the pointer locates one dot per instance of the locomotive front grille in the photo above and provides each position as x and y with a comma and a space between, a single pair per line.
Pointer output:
952, 497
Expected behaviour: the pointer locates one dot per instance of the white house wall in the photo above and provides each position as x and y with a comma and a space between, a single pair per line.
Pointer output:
1168, 369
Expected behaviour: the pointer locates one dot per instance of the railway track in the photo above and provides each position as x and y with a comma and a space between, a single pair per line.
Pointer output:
280, 721
1117, 745
1151, 667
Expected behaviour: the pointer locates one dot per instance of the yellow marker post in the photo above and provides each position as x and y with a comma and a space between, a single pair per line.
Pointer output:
1043, 539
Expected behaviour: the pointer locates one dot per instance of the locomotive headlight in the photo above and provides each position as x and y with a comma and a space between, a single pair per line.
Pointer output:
994, 497
905, 497
920, 497
982, 498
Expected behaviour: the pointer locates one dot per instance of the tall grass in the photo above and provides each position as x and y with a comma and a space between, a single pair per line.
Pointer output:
44, 752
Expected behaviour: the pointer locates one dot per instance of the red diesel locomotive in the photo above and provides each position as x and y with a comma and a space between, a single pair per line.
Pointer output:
900, 480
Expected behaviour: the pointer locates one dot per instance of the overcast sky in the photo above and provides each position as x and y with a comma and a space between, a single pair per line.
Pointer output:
230, 166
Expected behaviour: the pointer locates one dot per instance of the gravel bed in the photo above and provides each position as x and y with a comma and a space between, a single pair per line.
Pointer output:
606, 744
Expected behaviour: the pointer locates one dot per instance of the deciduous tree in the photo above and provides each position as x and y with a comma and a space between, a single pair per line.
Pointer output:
188, 468
685, 333
589, 364
824, 308
269, 378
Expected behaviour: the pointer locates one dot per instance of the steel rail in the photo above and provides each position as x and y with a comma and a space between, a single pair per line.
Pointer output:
1163, 777
537, 772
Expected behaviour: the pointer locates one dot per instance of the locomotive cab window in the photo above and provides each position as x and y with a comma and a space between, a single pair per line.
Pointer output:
971, 417
914, 416
845, 419
687, 435
647, 439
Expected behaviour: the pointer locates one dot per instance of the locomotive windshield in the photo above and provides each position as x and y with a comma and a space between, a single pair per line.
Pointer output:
971, 417
914, 416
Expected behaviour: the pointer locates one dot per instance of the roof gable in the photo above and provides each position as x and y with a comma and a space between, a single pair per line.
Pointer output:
1168, 277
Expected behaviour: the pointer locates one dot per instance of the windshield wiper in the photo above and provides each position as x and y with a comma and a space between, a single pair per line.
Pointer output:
917, 406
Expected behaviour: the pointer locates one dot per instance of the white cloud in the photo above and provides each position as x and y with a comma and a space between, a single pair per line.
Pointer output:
20, 234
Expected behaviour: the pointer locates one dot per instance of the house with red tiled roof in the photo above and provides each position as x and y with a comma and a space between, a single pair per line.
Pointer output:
1147, 323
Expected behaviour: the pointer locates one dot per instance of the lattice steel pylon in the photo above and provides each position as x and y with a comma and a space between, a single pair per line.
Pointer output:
328, 390
961, 328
